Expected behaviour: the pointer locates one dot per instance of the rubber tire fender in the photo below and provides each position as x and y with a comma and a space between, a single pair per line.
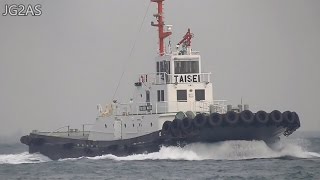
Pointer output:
288, 117
175, 127
247, 117
296, 119
25, 140
166, 127
215, 119
232, 118
276, 117
186, 126
261, 117
199, 120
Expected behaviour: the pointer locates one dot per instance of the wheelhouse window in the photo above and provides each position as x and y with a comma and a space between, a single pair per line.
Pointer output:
163, 66
182, 95
200, 94
186, 67
160, 94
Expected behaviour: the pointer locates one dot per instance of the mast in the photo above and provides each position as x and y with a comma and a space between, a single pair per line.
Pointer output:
162, 34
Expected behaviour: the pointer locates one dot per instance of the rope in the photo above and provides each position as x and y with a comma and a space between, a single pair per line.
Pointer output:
131, 51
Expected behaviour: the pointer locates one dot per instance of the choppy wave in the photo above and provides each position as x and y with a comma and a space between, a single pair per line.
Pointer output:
22, 158
228, 150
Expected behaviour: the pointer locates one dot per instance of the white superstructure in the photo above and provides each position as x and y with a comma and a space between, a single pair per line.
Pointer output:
177, 85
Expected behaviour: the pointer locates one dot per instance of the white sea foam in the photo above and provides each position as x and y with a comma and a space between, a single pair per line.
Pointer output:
228, 150
22, 158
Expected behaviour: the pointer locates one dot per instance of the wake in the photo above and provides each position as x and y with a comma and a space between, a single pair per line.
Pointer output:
227, 150
22, 158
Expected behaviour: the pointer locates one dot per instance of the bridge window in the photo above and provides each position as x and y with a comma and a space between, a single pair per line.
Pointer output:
186, 67
200, 94
160, 95
182, 95
163, 66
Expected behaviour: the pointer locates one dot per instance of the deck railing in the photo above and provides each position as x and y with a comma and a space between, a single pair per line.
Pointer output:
123, 109
66, 131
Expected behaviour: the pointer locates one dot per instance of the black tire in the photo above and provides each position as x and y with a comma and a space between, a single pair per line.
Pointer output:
25, 140
180, 115
288, 117
186, 126
261, 117
232, 118
166, 128
199, 121
175, 128
247, 117
276, 117
215, 119
296, 119
190, 114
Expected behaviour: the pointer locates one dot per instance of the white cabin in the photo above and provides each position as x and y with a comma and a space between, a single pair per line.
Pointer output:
178, 84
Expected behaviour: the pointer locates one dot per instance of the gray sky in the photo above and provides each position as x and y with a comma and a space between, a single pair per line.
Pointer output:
55, 69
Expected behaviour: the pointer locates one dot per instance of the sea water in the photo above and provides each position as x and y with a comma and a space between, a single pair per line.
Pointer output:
293, 158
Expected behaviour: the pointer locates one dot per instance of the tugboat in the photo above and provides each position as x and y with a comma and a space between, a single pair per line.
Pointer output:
172, 107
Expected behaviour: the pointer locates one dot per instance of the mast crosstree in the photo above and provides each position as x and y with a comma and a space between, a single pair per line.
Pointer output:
160, 24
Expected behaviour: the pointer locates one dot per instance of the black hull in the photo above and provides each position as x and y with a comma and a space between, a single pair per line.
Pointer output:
60, 147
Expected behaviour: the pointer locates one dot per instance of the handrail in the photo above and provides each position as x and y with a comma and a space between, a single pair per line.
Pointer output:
83, 125
59, 129
162, 107
68, 131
